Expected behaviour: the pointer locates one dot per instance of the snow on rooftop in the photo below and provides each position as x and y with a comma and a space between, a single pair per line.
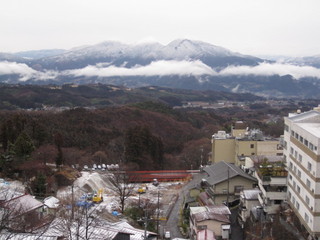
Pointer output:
51, 202
23, 204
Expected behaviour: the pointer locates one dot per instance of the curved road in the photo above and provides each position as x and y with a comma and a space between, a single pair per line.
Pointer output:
173, 220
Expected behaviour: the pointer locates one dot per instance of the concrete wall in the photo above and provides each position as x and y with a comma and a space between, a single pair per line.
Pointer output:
268, 148
223, 150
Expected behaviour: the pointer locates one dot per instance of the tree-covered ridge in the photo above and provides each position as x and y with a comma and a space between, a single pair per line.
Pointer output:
99, 95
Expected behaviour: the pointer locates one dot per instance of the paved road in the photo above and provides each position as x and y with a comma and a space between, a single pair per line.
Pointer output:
173, 220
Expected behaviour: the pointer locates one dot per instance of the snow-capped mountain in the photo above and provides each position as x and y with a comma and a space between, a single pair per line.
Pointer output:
306, 61
120, 54
182, 63
36, 54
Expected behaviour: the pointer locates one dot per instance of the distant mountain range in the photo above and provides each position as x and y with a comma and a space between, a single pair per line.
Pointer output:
182, 63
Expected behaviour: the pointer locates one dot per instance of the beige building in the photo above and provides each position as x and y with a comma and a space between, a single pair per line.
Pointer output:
215, 218
225, 181
248, 200
240, 143
302, 154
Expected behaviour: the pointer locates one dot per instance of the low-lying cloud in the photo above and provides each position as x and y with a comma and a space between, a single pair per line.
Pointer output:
158, 68
197, 68
7, 68
268, 69
161, 68
25, 72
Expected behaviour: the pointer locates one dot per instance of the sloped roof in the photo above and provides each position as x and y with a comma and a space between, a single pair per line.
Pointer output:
22, 204
219, 209
101, 230
205, 199
202, 216
215, 212
26, 236
220, 171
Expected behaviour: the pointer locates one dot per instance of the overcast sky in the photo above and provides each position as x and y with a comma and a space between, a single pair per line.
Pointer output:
256, 27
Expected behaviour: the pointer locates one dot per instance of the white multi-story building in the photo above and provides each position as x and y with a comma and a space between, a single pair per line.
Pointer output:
302, 155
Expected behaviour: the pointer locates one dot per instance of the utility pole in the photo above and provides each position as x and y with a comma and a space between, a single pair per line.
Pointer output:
201, 159
72, 203
228, 183
145, 224
158, 213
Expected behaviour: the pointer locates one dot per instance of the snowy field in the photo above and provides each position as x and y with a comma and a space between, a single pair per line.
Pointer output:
93, 181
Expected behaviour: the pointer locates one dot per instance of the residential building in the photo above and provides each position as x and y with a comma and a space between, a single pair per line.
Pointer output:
271, 174
302, 155
242, 142
225, 181
249, 199
23, 213
214, 218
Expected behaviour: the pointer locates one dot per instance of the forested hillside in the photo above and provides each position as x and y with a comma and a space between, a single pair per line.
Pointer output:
41, 146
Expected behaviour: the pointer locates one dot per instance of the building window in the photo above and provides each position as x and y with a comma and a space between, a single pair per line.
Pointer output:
299, 173
306, 142
311, 146
251, 145
297, 205
238, 189
295, 169
296, 135
295, 154
292, 133
306, 218
301, 139
308, 183
290, 176
291, 150
300, 157
290, 165
289, 195
298, 189
286, 128
307, 200
309, 166
294, 185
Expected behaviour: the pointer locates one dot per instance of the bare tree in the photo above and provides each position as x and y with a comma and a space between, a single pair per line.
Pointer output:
78, 223
123, 185
16, 217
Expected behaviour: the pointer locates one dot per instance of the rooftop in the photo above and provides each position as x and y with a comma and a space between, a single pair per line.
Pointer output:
220, 171
251, 194
313, 128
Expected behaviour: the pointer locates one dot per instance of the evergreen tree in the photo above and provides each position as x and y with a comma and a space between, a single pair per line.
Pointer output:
23, 146
40, 185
